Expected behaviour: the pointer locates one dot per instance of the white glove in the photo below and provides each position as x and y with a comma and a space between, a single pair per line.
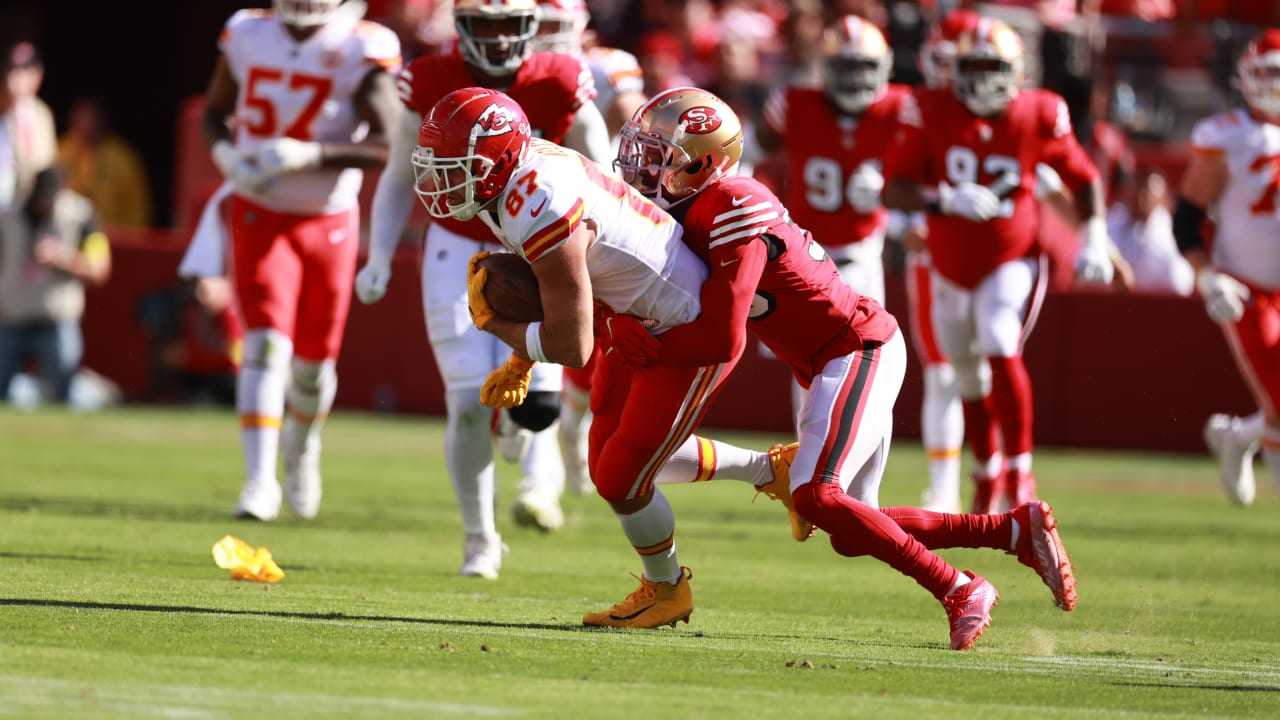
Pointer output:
968, 200
1093, 264
1224, 296
282, 155
238, 167
865, 187
371, 281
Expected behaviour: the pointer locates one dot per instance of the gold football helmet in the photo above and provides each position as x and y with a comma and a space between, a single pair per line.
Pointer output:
989, 66
856, 62
677, 143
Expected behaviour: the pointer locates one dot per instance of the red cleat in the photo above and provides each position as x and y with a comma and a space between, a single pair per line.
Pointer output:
1019, 488
1040, 549
969, 610
986, 493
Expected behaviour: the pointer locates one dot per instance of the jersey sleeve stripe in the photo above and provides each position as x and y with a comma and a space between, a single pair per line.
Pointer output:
623, 74
1207, 151
739, 212
552, 235
390, 64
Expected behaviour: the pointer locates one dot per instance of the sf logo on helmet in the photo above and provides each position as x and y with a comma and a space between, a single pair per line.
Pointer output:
700, 120
495, 120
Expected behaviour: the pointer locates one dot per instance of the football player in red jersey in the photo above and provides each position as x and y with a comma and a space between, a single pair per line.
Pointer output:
301, 101
968, 156
768, 274
1234, 169
494, 50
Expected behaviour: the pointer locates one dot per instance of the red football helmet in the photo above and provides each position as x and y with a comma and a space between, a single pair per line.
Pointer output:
494, 35
989, 67
560, 26
1259, 69
306, 13
938, 56
857, 62
468, 146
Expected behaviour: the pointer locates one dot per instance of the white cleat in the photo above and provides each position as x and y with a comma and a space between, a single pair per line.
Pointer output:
258, 501
1234, 456
537, 510
513, 440
482, 556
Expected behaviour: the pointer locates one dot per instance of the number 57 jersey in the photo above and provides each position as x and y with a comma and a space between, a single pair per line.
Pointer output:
942, 141
306, 91
1248, 213
638, 264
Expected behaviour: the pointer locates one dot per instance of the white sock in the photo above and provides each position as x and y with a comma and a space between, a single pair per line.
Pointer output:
1021, 462
1271, 451
310, 398
942, 430
468, 454
543, 465
1250, 427
990, 467
651, 531
699, 459
260, 390
961, 581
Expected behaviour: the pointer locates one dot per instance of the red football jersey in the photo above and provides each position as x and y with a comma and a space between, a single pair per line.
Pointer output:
824, 148
802, 310
550, 87
942, 140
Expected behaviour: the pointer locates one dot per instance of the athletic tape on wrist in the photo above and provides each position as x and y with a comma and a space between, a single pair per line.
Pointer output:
533, 342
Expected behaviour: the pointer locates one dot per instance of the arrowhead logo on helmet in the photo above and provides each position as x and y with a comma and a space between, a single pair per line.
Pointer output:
495, 120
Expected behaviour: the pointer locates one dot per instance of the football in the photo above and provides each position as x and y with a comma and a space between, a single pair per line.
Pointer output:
512, 288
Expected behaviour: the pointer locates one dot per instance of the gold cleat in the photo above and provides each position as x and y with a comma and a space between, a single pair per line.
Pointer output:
780, 458
651, 605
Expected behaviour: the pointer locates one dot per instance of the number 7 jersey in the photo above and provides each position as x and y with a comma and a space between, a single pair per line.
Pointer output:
306, 91
1247, 237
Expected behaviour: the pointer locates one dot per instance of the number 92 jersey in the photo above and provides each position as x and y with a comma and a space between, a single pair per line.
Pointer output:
1248, 212
824, 149
942, 141
304, 91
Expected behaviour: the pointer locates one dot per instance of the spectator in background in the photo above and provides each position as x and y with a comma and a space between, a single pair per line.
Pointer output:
104, 167
50, 250
28, 137
1142, 229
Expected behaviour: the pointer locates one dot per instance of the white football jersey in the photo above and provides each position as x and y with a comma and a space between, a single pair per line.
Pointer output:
638, 264
614, 71
304, 91
1248, 213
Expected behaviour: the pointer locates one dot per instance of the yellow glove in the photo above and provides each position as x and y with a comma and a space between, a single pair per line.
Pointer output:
507, 386
481, 313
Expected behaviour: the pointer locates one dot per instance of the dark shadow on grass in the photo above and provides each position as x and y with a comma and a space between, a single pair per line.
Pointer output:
89, 507
1202, 686
192, 610
51, 556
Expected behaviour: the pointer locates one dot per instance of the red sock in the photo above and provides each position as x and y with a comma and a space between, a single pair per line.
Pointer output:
858, 529
980, 428
1011, 391
948, 530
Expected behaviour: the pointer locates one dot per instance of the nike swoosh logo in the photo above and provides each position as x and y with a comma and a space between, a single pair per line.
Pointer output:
727, 263
739, 201
538, 211
633, 615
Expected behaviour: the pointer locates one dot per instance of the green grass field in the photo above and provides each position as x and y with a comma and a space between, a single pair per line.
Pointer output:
111, 605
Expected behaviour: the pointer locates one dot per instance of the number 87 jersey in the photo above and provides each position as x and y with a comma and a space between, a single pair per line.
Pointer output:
941, 140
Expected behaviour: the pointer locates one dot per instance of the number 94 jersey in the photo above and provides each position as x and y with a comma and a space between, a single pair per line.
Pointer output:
1248, 213
941, 141
304, 91
824, 150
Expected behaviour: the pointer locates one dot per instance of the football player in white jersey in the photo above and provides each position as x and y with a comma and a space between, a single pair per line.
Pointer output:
1234, 170
590, 239
563, 28
301, 100
494, 50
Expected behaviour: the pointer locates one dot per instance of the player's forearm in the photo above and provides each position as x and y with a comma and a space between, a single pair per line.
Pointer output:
392, 205
719, 334
904, 195
368, 155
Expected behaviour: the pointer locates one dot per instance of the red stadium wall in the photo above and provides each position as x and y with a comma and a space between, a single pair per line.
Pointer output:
1109, 371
